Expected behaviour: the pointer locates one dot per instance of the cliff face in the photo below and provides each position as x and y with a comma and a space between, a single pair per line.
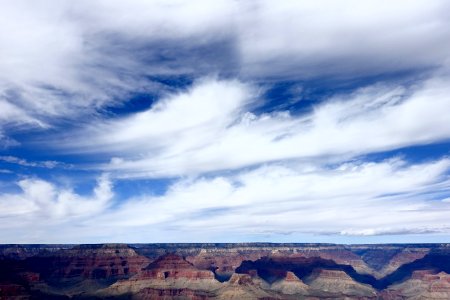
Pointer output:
338, 283
424, 284
68, 271
224, 271
290, 285
383, 261
168, 275
172, 266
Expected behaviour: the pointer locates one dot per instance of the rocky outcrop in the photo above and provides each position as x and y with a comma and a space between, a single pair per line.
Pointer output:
102, 262
424, 284
224, 261
172, 266
403, 257
224, 271
337, 282
244, 286
168, 274
80, 269
290, 285
20, 252
386, 259
169, 294
225, 258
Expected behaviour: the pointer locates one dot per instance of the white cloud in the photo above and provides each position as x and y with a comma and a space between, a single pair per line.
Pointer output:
7, 142
210, 128
49, 164
357, 198
191, 117
344, 38
66, 60
42, 201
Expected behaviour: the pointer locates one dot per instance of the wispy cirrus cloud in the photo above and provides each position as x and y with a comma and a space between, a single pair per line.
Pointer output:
7, 142
238, 164
343, 39
217, 130
268, 201
92, 58
49, 164
64, 61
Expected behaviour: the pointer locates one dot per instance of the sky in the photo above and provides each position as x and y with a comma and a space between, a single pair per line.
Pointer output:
224, 121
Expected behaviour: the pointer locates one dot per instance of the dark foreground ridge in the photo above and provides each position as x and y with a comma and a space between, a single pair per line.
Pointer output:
225, 271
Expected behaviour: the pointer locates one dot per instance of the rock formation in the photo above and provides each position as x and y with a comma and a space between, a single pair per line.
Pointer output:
338, 283
290, 285
225, 271
168, 274
424, 284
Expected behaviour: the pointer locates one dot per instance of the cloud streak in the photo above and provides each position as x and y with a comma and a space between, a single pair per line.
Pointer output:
268, 200
177, 92
49, 164
217, 130
92, 58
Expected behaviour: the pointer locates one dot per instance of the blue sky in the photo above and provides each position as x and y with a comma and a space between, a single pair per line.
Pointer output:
224, 121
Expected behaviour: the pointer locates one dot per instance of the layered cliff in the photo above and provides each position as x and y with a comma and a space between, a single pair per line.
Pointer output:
424, 284
339, 284
225, 271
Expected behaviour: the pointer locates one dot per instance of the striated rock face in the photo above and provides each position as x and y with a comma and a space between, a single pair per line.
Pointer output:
290, 285
240, 279
169, 275
422, 274
274, 268
339, 255
108, 262
79, 269
223, 261
384, 260
21, 252
172, 266
425, 284
291, 277
403, 257
244, 286
224, 271
225, 258
338, 282
167, 294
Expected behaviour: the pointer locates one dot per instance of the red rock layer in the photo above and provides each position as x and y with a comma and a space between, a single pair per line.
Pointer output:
404, 257
224, 262
422, 285
331, 274
169, 294
240, 279
108, 261
291, 277
174, 266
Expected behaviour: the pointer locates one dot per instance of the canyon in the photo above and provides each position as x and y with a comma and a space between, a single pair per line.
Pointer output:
225, 271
